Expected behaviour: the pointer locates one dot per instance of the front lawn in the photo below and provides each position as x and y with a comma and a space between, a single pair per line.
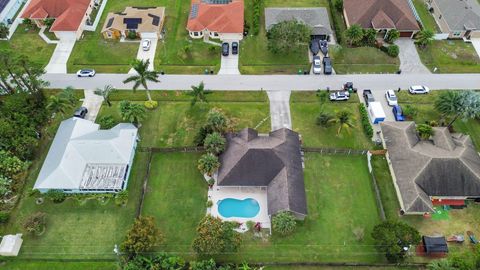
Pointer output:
29, 43
362, 60
305, 108
42, 265
450, 56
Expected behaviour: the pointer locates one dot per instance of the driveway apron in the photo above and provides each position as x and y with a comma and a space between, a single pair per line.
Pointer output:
476, 45
280, 109
59, 59
409, 58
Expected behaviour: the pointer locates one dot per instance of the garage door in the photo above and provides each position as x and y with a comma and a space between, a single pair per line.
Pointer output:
406, 34
151, 35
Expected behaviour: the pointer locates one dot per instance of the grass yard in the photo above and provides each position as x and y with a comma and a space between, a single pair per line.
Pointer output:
450, 56
29, 43
427, 18
42, 265
341, 268
362, 60
305, 109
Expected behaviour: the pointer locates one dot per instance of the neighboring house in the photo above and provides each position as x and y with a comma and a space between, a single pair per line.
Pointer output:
70, 15
316, 18
457, 18
443, 171
272, 162
219, 19
382, 15
84, 159
145, 22
8, 9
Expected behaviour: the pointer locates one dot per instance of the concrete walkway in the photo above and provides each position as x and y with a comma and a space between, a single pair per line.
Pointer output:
45, 38
93, 103
59, 59
476, 45
280, 109
409, 59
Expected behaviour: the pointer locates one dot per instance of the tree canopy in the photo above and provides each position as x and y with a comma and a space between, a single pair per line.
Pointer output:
143, 76
142, 236
288, 36
458, 104
215, 237
392, 237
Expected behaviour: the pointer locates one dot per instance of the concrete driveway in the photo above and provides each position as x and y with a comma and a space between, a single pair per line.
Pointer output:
280, 109
229, 64
59, 59
476, 45
409, 59
150, 54
93, 103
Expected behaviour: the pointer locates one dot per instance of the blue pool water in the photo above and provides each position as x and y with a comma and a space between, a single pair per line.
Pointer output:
246, 208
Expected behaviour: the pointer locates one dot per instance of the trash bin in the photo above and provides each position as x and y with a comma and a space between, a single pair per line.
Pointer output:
300, 72
206, 71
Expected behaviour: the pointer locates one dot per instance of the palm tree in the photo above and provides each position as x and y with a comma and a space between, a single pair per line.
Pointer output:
105, 93
214, 143
57, 104
425, 37
132, 112
425, 131
68, 94
354, 34
344, 122
143, 75
199, 93
208, 163
449, 104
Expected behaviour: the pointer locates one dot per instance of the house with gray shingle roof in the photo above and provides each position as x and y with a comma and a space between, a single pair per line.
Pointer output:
447, 167
458, 18
270, 161
316, 18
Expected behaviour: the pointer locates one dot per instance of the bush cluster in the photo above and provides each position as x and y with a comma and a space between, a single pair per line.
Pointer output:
392, 50
367, 128
151, 104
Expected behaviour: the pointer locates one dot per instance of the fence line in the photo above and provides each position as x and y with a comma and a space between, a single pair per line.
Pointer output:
334, 151
183, 149
145, 184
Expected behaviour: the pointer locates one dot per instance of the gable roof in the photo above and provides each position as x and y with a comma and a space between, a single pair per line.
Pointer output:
316, 18
381, 14
148, 19
68, 14
216, 16
83, 157
272, 161
460, 15
447, 166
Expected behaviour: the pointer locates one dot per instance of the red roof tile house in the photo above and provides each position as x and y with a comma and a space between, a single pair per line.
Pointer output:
222, 19
70, 15
382, 15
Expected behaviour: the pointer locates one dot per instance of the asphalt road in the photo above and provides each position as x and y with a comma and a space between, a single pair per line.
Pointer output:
275, 82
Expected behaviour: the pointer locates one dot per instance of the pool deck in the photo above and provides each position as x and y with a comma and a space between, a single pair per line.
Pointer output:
216, 194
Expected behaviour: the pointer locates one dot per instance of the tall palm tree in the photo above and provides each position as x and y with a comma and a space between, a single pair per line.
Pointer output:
425, 37
105, 93
344, 122
57, 104
199, 93
143, 76
68, 94
132, 112
354, 34
449, 104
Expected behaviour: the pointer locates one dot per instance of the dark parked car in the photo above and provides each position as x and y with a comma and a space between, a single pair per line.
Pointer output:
314, 46
234, 47
80, 112
324, 47
367, 95
398, 113
327, 65
225, 49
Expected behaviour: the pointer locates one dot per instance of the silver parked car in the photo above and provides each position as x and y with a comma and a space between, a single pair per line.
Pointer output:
86, 73
418, 89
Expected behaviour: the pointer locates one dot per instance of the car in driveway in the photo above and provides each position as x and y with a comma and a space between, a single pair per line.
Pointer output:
234, 47
86, 73
146, 44
324, 47
225, 49
391, 98
317, 65
339, 96
418, 89
327, 65
368, 96
80, 112
398, 113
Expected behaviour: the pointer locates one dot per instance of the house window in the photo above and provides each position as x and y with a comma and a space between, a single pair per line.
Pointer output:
109, 34
195, 34
457, 33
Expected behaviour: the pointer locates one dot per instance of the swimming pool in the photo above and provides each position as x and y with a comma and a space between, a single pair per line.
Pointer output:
247, 208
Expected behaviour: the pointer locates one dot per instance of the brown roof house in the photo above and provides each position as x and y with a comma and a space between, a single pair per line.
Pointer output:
219, 19
382, 15
447, 167
457, 18
270, 161
70, 15
146, 22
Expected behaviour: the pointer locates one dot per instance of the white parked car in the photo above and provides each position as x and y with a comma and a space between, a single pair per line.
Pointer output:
339, 96
418, 89
86, 73
391, 98
146, 44
317, 65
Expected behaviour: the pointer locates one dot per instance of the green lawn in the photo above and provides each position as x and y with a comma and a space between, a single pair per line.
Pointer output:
450, 56
42, 265
341, 268
30, 44
425, 15
305, 109
389, 199
362, 60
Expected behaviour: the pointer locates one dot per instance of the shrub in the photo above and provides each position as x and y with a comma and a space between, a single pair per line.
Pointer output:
367, 127
4, 216
214, 143
211, 181
56, 196
284, 223
393, 50
392, 236
215, 237
151, 104
250, 225
392, 35
324, 119
121, 198
209, 203
35, 223
142, 236
338, 5
409, 111
5, 186
425, 131
107, 122
208, 164
132, 35
369, 37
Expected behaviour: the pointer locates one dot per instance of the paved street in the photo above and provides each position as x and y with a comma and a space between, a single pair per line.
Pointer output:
275, 82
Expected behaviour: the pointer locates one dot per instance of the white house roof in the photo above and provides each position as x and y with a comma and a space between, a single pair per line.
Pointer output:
83, 157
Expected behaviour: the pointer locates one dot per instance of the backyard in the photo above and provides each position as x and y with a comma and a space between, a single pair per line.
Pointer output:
450, 56
427, 19
305, 108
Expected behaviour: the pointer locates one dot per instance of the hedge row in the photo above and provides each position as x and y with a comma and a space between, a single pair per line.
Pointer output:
334, 14
367, 127
257, 11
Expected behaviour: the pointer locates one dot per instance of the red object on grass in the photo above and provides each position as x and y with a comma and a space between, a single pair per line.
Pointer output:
448, 202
